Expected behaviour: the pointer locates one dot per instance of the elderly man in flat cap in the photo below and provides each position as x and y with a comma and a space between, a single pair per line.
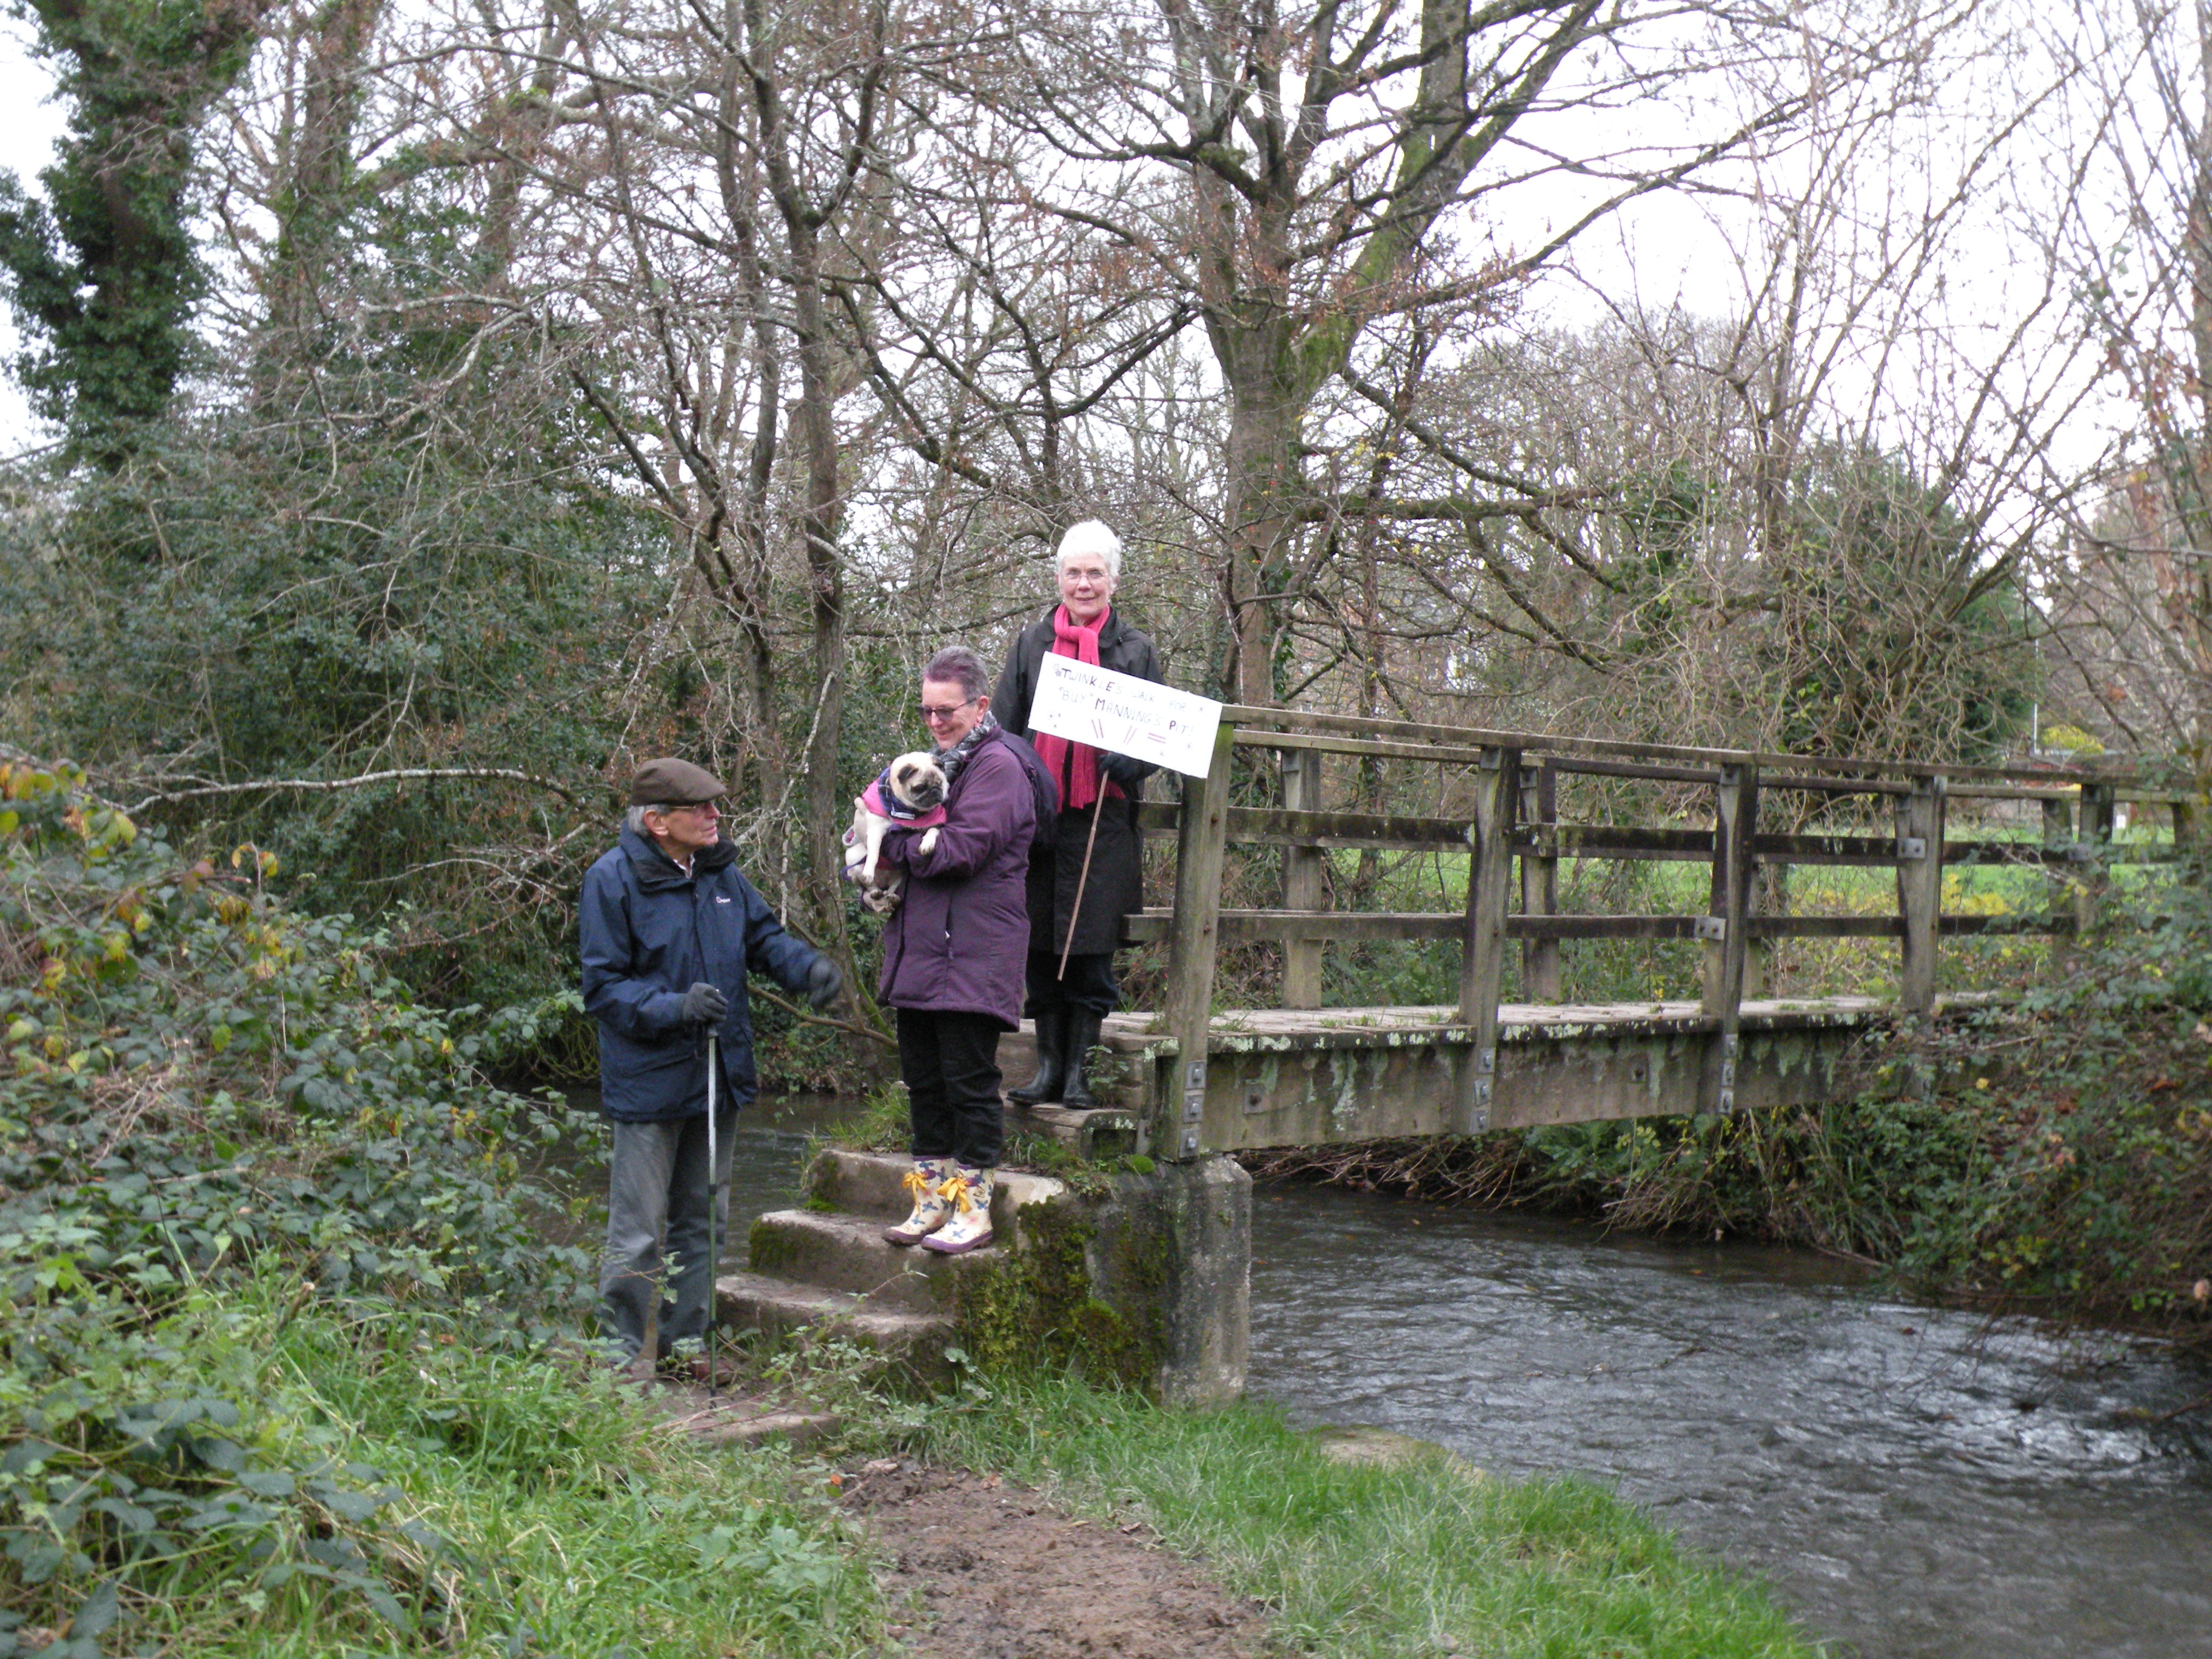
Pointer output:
669, 930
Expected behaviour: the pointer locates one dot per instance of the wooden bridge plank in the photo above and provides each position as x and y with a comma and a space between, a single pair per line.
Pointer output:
1265, 724
1540, 884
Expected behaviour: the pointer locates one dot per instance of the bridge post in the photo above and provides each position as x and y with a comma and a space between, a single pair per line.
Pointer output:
1496, 791
1727, 930
2187, 825
1193, 943
1302, 880
1920, 891
1539, 884
2058, 843
2096, 847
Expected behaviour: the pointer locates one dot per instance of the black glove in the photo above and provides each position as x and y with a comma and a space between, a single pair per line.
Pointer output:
1124, 770
823, 981
704, 1005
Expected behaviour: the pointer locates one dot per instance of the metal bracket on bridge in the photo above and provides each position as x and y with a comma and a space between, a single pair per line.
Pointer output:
1726, 1102
1911, 847
1709, 927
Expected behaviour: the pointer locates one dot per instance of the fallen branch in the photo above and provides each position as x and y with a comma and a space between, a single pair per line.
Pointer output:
319, 785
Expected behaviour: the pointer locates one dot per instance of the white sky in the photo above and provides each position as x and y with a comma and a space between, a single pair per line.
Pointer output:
1659, 251
27, 144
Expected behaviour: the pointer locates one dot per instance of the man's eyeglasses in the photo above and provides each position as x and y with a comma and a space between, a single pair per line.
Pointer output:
933, 716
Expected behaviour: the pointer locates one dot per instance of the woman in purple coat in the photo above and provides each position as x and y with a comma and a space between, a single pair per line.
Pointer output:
953, 956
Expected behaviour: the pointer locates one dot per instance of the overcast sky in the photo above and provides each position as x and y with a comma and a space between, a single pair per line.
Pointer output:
27, 144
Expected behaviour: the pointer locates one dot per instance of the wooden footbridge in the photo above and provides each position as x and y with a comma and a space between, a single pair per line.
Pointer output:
1196, 1079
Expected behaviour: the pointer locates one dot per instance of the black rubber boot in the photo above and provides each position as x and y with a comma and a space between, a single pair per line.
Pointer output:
1082, 1037
1052, 1058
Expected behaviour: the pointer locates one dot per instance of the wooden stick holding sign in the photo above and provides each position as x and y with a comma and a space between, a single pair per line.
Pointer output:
1083, 876
1120, 715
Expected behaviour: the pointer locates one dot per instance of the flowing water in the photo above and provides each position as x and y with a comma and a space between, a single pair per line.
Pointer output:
1916, 1483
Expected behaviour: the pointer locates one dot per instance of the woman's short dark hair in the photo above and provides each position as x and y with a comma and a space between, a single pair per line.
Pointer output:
958, 662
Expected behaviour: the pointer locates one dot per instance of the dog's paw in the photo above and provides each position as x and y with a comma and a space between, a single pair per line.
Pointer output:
928, 844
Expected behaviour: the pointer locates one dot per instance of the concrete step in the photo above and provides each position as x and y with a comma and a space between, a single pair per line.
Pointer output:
780, 1308
873, 1184
1093, 1133
839, 1252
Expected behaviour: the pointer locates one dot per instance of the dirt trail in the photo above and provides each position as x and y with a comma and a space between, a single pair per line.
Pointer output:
993, 1571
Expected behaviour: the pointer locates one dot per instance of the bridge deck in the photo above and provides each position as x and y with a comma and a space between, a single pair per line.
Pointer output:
1280, 1076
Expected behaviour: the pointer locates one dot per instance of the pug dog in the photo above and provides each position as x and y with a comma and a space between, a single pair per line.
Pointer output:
911, 794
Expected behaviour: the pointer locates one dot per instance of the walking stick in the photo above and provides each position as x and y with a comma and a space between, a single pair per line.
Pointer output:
1097, 806
714, 1198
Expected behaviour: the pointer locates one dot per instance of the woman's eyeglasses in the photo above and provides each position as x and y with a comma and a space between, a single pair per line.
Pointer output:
933, 716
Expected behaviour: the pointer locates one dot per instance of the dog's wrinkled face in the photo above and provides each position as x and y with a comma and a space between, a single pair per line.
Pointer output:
917, 781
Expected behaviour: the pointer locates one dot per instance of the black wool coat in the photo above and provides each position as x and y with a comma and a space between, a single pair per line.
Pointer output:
1115, 886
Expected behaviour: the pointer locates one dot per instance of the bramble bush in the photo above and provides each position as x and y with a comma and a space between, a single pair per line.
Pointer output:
202, 1088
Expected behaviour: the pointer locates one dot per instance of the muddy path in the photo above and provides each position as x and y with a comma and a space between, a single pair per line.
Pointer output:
976, 1567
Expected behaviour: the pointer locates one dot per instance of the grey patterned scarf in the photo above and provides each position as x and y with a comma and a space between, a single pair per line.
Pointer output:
955, 757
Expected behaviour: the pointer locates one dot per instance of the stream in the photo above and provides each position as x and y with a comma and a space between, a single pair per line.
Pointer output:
1916, 1483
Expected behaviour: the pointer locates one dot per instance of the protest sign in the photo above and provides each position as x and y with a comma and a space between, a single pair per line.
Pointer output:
1124, 715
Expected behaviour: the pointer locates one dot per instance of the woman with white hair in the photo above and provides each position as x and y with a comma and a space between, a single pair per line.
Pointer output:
1068, 1006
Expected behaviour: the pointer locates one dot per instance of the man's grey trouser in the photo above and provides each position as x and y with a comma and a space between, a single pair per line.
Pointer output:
657, 1181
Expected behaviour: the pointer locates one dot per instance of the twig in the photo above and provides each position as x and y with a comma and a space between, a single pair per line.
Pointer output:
319, 784
2198, 1404
798, 1012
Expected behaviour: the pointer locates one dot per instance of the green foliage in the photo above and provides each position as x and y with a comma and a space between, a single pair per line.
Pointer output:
255, 1473
103, 275
199, 1081
1890, 638
195, 1073
423, 615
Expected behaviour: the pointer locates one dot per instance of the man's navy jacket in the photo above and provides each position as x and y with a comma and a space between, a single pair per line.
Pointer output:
650, 933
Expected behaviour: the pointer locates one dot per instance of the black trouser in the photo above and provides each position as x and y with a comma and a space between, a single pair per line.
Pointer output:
951, 1064
1088, 983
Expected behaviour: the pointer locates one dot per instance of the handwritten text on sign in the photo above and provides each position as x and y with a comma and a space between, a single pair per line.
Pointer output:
1124, 715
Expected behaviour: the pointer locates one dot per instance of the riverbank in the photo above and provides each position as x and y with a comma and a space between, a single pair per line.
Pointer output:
323, 1482
289, 1363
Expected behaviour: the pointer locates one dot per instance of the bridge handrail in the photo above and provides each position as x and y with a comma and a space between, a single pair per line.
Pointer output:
1513, 776
1383, 734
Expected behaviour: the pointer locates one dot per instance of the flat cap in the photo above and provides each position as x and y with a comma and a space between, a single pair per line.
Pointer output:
671, 782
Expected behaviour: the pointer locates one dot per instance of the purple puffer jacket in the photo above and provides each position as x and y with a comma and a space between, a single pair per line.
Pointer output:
959, 943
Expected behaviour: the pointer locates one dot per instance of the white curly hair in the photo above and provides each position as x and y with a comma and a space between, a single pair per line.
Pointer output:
1089, 536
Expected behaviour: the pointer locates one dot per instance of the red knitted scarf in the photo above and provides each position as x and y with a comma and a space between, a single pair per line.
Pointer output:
1074, 766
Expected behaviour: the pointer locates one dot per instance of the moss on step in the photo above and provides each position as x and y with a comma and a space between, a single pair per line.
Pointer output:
1041, 1299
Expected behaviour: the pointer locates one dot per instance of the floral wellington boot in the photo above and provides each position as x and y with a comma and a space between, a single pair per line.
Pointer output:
969, 1229
927, 1182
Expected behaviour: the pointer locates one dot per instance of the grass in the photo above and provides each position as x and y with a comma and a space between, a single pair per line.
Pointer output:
1417, 1561
392, 1487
